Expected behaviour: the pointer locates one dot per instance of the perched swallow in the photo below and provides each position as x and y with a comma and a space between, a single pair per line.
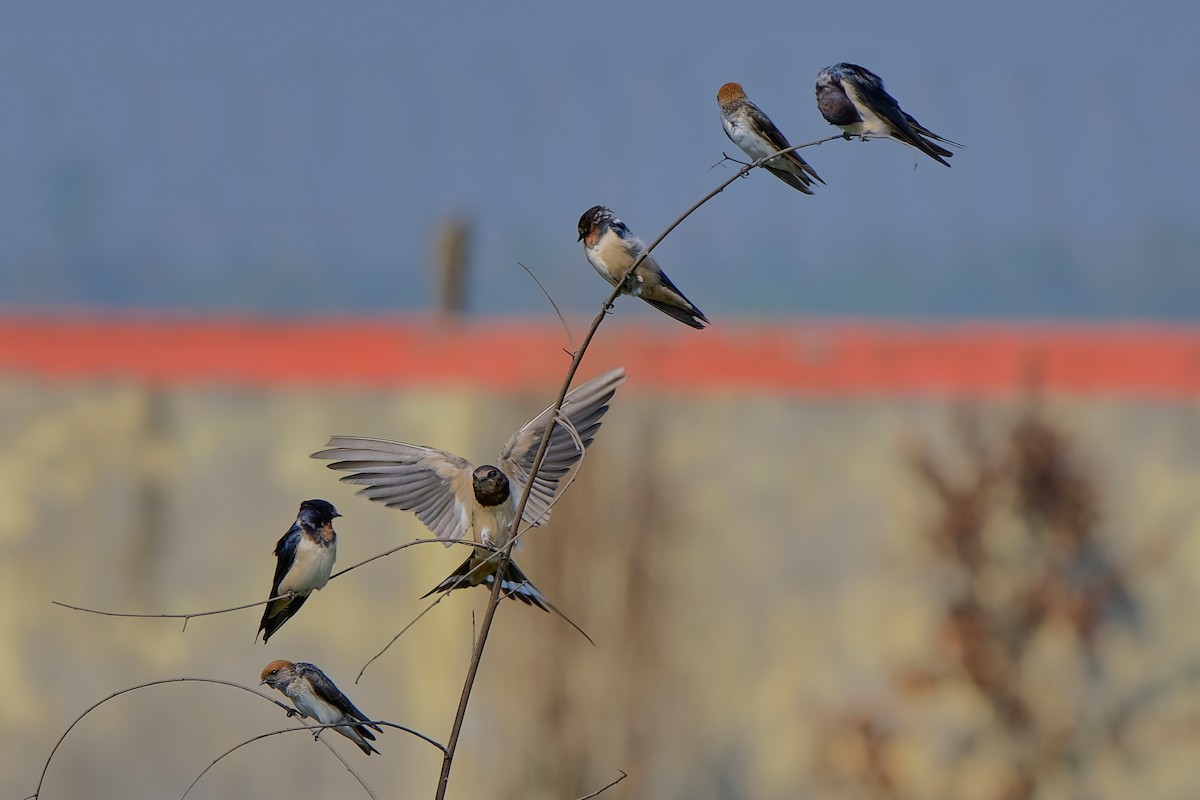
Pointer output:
304, 559
853, 98
454, 498
316, 697
611, 248
750, 129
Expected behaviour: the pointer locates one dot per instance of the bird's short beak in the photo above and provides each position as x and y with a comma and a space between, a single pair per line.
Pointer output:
263, 682
580, 239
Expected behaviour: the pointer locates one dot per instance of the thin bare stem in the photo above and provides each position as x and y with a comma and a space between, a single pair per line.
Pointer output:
286, 708
403, 631
94, 706
494, 601
604, 789
188, 616
302, 727
415, 733
726, 157
184, 617
566, 328
472, 670
397, 549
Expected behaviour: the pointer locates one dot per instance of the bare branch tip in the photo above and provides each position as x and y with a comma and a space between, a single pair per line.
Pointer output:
554, 305
608, 786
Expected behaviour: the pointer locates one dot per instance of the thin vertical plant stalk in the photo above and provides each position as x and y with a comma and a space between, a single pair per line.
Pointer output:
577, 358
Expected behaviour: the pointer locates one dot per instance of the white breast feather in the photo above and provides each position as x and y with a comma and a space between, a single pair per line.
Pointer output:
311, 568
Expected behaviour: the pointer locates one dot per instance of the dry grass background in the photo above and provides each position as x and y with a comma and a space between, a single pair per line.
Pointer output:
780, 603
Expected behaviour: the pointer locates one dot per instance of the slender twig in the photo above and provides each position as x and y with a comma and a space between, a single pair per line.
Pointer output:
398, 548
188, 616
554, 305
94, 706
403, 631
604, 789
726, 157
494, 601
286, 708
184, 617
306, 728
416, 733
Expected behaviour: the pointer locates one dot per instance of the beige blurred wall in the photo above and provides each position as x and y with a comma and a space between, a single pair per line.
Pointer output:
747, 565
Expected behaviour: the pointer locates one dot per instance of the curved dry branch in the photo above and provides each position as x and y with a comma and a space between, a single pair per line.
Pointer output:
184, 617
94, 706
405, 629
554, 305
188, 616
604, 789
216, 681
306, 728
397, 549
331, 748
494, 601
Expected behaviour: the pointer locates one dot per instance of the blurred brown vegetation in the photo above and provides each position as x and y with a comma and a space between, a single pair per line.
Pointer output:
787, 600
1031, 595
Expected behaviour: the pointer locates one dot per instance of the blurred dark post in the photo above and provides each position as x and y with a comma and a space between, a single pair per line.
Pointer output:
451, 253
152, 492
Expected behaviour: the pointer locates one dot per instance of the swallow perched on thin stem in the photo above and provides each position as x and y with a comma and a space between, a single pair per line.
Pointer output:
750, 129
454, 498
853, 98
316, 697
304, 559
610, 248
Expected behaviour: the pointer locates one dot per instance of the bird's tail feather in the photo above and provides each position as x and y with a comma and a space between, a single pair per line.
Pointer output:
693, 317
475, 572
362, 731
791, 179
277, 613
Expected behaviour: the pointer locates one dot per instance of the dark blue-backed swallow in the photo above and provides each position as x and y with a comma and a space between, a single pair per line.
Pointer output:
304, 558
316, 697
853, 98
750, 129
454, 498
611, 248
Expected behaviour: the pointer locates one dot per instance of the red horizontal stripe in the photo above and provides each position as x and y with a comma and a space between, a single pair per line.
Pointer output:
832, 358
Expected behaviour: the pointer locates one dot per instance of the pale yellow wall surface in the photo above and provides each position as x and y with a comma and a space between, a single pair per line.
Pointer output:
748, 567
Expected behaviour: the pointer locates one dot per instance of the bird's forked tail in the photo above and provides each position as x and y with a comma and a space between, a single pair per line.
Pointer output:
480, 570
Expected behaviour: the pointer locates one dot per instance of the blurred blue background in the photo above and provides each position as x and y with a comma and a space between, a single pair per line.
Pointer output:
302, 156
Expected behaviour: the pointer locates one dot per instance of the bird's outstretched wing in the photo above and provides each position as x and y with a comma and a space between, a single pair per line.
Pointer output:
433, 484
584, 409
